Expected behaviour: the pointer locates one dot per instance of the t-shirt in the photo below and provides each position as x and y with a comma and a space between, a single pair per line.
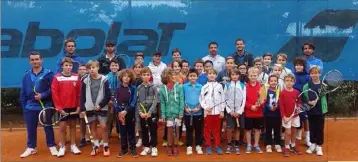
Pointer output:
95, 85
287, 102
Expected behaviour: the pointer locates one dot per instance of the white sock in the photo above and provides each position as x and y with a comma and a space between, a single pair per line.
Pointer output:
96, 143
307, 134
287, 146
293, 144
105, 144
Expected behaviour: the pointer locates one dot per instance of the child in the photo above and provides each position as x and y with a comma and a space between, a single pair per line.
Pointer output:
95, 95
178, 76
208, 65
262, 78
202, 79
126, 99
253, 110
235, 97
146, 107
185, 67
224, 74
176, 55
113, 84
212, 101
193, 113
277, 71
272, 115
139, 58
137, 68
282, 59
302, 78
317, 113
66, 89
267, 57
243, 73
287, 105
82, 72
156, 66
172, 109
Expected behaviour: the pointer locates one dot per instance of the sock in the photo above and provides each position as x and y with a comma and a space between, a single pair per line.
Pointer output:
96, 143
293, 144
307, 134
105, 144
287, 146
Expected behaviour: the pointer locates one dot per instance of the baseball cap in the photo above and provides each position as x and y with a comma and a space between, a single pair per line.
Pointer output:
110, 43
157, 53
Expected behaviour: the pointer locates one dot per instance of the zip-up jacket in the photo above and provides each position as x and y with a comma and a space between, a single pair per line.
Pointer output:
235, 97
104, 63
191, 96
212, 96
66, 91
132, 99
103, 97
113, 81
77, 61
42, 80
171, 102
157, 72
321, 107
287, 102
246, 58
301, 79
252, 96
148, 98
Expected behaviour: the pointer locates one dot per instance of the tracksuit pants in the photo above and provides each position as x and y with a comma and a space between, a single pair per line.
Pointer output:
212, 125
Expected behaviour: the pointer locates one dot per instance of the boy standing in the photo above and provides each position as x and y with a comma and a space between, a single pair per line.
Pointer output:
199, 66
262, 78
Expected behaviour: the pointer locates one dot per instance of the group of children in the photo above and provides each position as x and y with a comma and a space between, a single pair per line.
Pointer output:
251, 101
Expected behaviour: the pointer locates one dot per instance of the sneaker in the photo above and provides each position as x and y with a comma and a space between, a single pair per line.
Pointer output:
180, 143
248, 149
139, 143
208, 151
189, 150
145, 151
165, 143
319, 151
122, 153
311, 149
308, 143
154, 152
170, 151
134, 153
198, 149
75, 150
53, 151
268, 149
296, 151
61, 152
258, 149
228, 149
175, 151
237, 150
184, 128
83, 143
299, 134
286, 152
219, 150
28, 152
106, 151
94, 151
278, 148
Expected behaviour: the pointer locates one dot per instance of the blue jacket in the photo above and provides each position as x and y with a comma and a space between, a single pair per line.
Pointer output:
313, 61
191, 97
202, 79
132, 100
77, 62
43, 82
113, 81
301, 79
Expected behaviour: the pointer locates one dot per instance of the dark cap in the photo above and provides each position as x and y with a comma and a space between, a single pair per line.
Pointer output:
110, 43
157, 53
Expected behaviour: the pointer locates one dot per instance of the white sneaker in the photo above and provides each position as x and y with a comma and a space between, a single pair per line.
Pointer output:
278, 148
311, 149
198, 149
319, 151
145, 151
299, 134
28, 152
154, 152
184, 128
139, 143
189, 150
268, 148
61, 152
53, 151
75, 150
307, 141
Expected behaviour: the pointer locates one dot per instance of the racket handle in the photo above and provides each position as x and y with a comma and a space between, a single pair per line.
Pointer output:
237, 123
86, 119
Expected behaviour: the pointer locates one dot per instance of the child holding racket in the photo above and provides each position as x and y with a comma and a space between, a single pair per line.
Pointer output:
33, 100
253, 110
212, 100
66, 89
235, 97
82, 72
317, 113
287, 104
126, 95
172, 109
95, 95
146, 107
193, 116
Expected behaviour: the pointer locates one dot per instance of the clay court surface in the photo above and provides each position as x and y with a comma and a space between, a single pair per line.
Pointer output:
341, 143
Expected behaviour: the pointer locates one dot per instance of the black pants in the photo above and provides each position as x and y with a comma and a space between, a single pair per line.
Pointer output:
316, 125
197, 127
272, 123
127, 132
152, 129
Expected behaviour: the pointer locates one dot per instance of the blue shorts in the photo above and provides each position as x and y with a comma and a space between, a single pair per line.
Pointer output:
303, 116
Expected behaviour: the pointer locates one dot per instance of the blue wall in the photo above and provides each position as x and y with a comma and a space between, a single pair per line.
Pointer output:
139, 25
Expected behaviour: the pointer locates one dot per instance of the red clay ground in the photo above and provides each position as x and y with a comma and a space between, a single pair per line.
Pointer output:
341, 143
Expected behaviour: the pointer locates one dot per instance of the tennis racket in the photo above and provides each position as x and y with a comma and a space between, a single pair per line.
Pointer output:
191, 115
174, 127
50, 118
127, 58
332, 81
37, 83
90, 132
302, 104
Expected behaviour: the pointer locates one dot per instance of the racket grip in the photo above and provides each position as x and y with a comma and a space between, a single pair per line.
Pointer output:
86, 119
237, 122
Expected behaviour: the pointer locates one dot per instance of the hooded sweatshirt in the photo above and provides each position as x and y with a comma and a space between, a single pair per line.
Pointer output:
235, 97
212, 96
301, 79
171, 102
147, 98
103, 94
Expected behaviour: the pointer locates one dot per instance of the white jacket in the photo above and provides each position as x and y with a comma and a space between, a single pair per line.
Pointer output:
235, 97
157, 72
212, 96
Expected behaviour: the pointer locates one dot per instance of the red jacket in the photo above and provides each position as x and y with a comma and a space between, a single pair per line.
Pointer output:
287, 102
66, 91
252, 95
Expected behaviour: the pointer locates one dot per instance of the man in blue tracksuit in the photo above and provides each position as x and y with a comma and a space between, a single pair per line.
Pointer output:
308, 52
70, 48
41, 79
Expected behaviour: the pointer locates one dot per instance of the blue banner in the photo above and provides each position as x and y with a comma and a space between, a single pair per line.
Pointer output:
150, 25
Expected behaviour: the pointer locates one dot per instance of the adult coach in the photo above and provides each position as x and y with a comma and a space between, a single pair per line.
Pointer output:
107, 57
218, 61
308, 52
70, 48
241, 56
30, 102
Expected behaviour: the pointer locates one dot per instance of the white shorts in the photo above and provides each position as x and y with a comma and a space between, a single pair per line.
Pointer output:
170, 123
295, 122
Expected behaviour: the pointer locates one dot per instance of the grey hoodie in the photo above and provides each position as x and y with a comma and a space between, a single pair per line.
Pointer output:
148, 98
103, 97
